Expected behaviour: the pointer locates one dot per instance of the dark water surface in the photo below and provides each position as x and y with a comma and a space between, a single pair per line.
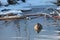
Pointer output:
24, 29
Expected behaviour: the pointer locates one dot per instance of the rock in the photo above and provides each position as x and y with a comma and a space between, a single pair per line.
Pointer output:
23, 1
12, 1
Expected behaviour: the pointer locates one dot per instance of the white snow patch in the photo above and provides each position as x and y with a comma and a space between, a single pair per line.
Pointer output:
22, 6
40, 2
12, 11
58, 8
4, 2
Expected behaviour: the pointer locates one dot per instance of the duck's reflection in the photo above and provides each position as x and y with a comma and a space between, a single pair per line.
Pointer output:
17, 28
38, 27
17, 24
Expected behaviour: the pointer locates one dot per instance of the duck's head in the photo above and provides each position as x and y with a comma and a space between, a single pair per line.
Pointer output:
38, 27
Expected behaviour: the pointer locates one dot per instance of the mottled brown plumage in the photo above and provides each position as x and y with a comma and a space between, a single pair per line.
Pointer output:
38, 27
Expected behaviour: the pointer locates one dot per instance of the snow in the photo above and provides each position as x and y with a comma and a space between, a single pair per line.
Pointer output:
59, 14
20, 5
11, 11
40, 2
24, 6
4, 2
32, 2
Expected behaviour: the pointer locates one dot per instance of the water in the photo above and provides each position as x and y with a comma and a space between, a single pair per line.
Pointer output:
24, 29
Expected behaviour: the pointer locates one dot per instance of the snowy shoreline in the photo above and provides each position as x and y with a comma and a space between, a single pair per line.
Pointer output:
28, 5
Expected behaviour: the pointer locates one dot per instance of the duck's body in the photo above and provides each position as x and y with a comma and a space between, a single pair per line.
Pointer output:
38, 27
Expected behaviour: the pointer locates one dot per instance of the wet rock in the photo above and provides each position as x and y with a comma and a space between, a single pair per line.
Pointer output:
38, 27
10, 14
0, 3
5, 10
23, 1
12, 1
57, 3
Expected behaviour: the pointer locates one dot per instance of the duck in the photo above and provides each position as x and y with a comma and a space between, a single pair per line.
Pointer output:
38, 27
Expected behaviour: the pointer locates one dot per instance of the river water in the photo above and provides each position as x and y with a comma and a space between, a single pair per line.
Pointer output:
24, 29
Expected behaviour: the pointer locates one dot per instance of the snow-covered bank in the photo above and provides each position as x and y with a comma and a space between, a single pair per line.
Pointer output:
24, 6
11, 11
4, 2
40, 2
32, 2
18, 6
